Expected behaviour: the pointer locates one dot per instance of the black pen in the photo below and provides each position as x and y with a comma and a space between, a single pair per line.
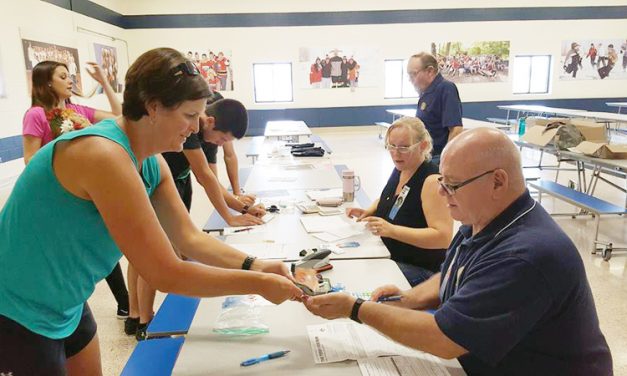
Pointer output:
392, 298
243, 229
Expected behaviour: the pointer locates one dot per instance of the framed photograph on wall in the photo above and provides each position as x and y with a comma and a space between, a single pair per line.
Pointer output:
38, 51
593, 59
337, 67
107, 58
214, 65
475, 62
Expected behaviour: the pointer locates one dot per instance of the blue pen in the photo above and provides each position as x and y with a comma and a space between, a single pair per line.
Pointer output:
274, 355
391, 298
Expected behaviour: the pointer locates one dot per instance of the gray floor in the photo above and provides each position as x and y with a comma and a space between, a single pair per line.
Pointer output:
360, 149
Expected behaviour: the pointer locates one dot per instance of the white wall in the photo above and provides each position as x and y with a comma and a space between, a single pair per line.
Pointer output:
48, 23
249, 45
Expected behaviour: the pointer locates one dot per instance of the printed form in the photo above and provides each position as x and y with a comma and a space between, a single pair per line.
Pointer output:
339, 341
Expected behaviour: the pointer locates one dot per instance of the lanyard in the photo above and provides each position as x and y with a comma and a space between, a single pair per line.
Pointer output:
458, 274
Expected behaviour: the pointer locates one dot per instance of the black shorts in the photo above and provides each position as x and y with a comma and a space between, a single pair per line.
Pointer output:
184, 187
23, 352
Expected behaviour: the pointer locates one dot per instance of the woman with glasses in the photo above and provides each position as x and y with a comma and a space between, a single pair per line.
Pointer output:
410, 216
90, 196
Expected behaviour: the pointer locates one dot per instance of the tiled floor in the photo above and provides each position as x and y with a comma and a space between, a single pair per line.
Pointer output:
360, 149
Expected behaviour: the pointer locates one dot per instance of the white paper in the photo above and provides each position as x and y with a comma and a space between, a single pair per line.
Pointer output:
337, 225
325, 237
283, 179
324, 193
423, 365
326, 211
262, 250
268, 217
339, 341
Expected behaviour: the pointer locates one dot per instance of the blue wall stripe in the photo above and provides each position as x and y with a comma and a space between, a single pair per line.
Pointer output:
11, 147
349, 116
96, 11
372, 17
91, 9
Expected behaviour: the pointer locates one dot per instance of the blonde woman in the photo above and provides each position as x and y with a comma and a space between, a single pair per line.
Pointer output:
410, 216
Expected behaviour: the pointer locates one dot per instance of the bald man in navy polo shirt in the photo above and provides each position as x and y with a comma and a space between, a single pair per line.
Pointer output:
439, 106
512, 297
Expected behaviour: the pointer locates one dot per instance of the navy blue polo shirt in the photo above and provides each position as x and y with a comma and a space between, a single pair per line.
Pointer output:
516, 297
440, 108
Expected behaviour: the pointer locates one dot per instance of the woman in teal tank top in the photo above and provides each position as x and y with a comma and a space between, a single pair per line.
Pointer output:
92, 195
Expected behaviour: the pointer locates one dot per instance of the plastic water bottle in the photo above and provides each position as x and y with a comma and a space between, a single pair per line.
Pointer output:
521, 126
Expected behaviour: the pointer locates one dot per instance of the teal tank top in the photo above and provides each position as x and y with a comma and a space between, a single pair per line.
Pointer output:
55, 246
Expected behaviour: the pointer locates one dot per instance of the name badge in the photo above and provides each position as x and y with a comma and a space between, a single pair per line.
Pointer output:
399, 202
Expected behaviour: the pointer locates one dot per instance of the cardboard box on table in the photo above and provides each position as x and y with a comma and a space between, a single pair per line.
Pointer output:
601, 150
538, 134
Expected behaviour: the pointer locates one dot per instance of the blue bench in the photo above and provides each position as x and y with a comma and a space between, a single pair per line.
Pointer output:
382, 126
174, 317
215, 221
361, 196
503, 123
586, 202
255, 148
154, 357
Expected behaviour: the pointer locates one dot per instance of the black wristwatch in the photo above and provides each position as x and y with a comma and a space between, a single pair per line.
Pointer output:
355, 310
248, 262
245, 209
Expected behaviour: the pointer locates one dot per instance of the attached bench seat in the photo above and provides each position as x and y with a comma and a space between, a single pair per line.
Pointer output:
255, 148
508, 122
582, 200
154, 357
382, 126
174, 317
315, 138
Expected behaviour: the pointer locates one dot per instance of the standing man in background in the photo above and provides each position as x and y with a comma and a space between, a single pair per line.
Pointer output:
439, 106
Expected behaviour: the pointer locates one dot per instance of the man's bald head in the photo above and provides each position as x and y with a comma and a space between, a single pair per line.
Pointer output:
481, 176
483, 149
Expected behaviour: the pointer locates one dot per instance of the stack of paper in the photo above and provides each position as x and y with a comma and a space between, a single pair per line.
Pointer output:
421, 365
339, 341
330, 229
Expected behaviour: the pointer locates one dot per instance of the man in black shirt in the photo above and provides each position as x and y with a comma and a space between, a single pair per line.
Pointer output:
223, 121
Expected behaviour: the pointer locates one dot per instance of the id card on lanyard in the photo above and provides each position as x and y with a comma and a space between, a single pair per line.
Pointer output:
399, 203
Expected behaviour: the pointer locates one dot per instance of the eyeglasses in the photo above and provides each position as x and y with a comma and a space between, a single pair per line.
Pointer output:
414, 74
400, 149
450, 189
187, 68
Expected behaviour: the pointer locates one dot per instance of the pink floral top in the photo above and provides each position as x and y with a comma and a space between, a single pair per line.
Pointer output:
36, 124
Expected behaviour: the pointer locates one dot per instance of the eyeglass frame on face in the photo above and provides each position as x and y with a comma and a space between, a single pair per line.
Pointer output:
400, 149
451, 189
414, 74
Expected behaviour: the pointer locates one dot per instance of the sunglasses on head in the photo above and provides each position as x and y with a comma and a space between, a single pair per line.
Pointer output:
187, 68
